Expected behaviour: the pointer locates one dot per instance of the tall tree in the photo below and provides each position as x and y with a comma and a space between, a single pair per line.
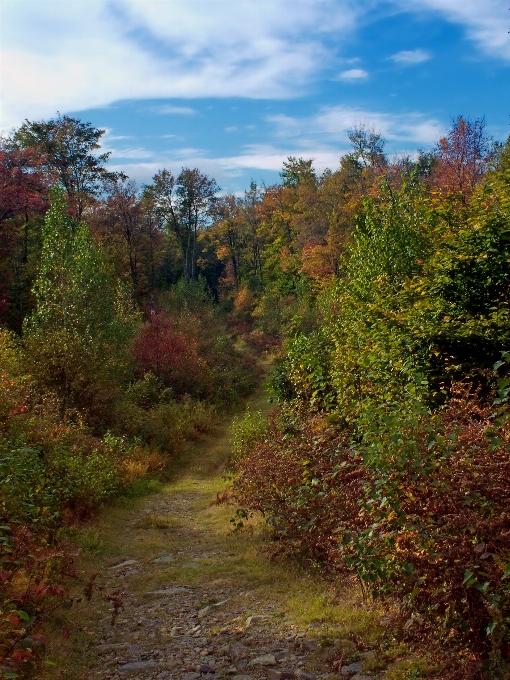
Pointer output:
463, 156
368, 147
68, 147
77, 334
186, 206
23, 189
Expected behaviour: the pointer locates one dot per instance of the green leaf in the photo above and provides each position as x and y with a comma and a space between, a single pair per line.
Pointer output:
467, 575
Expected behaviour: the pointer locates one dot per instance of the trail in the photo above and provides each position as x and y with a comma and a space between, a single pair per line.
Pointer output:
200, 601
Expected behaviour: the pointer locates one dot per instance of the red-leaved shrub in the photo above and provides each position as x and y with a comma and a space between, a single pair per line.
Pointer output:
170, 354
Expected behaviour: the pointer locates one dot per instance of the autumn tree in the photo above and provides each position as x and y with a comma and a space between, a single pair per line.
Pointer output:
68, 147
228, 231
23, 188
463, 157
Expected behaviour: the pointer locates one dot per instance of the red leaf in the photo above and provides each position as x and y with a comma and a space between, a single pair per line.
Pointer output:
14, 621
65, 634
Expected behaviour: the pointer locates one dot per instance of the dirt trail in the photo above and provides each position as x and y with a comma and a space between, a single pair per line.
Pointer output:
200, 601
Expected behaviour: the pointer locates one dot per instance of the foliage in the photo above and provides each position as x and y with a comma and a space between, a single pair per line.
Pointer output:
185, 205
74, 337
251, 428
67, 148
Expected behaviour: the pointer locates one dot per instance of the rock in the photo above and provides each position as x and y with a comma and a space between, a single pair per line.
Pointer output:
315, 625
367, 655
301, 675
237, 651
280, 675
263, 660
164, 558
274, 675
241, 677
359, 676
231, 671
204, 668
210, 608
254, 620
351, 669
127, 563
137, 666
173, 590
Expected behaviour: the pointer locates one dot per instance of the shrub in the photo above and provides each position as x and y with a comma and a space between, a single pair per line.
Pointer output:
416, 507
247, 431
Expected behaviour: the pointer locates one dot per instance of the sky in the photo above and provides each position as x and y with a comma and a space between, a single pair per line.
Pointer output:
234, 87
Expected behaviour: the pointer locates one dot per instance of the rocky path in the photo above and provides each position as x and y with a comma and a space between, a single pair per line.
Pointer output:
200, 601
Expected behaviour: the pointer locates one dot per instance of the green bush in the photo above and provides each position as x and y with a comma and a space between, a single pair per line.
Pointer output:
247, 431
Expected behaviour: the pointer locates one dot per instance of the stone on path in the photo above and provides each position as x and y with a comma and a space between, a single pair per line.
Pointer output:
280, 675
210, 608
255, 619
351, 669
263, 660
137, 666
173, 590
164, 558
127, 563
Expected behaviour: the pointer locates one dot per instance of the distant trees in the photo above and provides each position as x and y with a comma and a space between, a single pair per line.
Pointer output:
185, 206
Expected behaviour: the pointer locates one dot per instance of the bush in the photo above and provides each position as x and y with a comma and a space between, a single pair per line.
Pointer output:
247, 431
417, 509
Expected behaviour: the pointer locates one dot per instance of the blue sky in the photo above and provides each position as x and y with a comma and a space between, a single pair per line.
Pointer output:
234, 87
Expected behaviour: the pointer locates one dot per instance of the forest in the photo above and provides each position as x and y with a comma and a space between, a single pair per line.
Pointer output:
131, 316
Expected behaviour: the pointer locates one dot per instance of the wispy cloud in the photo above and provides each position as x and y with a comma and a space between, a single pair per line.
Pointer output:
131, 153
331, 125
486, 22
410, 57
169, 110
353, 74
89, 53
84, 54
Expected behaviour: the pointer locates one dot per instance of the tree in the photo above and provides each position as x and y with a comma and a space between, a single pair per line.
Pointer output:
68, 147
76, 336
298, 170
185, 206
368, 147
463, 157
228, 231
23, 188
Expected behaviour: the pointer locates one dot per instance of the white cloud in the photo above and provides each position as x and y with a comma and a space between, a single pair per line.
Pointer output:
131, 153
254, 157
409, 57
322, 136
486, 21
82, 54
331, 124
353, 74
169, 110
78, 55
